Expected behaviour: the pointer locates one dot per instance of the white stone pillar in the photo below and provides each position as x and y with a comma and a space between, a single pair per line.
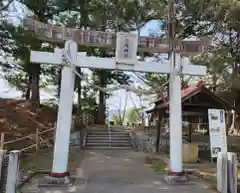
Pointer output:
222, 173
232, 172
12, 172
64, 120
175, 119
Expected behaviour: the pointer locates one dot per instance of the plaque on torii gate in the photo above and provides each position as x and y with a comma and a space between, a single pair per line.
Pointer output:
73, 37
92, 38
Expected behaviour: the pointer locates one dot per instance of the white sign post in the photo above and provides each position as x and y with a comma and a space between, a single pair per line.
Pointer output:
217, 131
65, 106
218, 140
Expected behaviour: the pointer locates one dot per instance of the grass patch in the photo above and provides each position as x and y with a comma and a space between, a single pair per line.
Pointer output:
212, 186
156, 164
158, 169
207, 175
42, 160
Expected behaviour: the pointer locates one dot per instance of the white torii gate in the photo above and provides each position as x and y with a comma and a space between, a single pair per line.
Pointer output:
61, 149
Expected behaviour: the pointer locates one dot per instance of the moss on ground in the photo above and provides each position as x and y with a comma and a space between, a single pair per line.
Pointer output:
159, 169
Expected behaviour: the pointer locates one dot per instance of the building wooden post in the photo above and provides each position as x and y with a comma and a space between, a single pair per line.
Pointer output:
13, 171
190, 132
2, 141
149, 124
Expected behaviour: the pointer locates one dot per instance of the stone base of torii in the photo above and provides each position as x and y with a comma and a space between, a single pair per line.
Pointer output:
59, 172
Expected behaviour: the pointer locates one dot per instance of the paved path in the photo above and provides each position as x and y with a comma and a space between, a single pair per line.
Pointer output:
116, 171
121, 171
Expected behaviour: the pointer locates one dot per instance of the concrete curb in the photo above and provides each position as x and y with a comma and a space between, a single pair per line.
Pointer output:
194, 172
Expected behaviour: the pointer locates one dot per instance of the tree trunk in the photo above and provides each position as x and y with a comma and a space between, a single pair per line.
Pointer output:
59, 82
158, 132
214, 81
237, 101
83, 23
235, 127
142, 112
229, 120
35, 97
102, 99
27, 93
79, 91
168, 87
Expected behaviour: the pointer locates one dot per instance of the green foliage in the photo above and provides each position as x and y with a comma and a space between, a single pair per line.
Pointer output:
20, 68
17, 80
88, 99
155, 79
217, 19
134, 115
117, 119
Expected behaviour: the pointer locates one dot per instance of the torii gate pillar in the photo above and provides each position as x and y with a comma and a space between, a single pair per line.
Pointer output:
175, 121
64, 122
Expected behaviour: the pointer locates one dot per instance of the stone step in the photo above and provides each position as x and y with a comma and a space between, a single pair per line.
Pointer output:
107, 136
108, 132
102, 147
108, 141
108, 144
112, 131
102, 130
103, 139
112, 140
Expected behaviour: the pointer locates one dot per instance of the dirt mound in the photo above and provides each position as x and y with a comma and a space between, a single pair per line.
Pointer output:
18, 120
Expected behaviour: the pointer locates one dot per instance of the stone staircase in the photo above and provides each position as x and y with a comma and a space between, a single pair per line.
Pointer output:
104, 138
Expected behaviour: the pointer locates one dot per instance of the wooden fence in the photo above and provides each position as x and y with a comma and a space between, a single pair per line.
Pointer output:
9, 160
36, 137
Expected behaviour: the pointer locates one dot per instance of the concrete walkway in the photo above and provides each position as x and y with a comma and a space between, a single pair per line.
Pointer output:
115, 171
121, 171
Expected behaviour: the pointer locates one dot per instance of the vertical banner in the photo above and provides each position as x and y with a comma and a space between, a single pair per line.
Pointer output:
217, 131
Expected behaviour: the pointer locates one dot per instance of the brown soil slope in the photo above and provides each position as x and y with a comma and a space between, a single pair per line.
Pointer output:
17, 120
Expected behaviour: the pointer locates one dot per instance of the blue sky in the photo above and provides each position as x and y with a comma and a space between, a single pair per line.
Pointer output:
113, 103
152, 25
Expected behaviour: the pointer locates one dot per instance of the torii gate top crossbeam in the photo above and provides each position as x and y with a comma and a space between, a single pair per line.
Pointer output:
110, 63
53, 33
